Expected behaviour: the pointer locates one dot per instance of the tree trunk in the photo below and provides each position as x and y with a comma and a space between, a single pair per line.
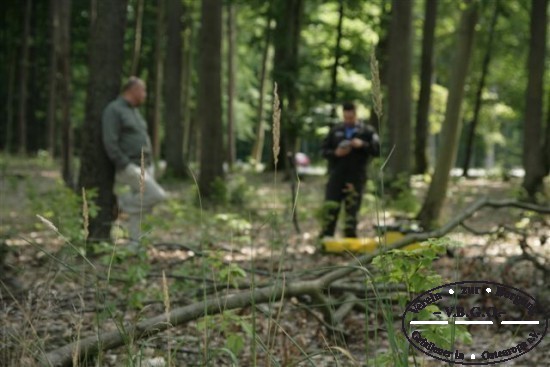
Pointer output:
137, 38
231, 74
154, 123
93, 12
426, 76
546, 152
399, 90
382, 57
23, 76
9, 108
532, 142
210, 99
479, 93
285, 72
258, 147
173, 88
65, 96
106, 55
450, 133
150, 102
52, 78
187, 83
337, 52
153, 19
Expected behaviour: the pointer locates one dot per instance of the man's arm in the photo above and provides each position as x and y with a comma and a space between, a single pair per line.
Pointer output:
368, 141
111, 127
373, 147
327, 148
330, 150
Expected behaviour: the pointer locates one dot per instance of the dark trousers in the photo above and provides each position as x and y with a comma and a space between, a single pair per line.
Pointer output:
342, 189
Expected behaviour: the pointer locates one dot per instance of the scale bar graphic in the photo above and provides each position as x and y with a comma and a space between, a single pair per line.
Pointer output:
464, 322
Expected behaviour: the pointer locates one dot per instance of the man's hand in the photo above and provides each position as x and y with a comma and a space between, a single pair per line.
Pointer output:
357, 143
342, 151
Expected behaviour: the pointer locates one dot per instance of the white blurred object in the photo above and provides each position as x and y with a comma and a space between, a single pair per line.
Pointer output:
155, 362
160, 168
302, 160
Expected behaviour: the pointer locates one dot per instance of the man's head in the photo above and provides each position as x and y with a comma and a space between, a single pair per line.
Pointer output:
350, 116
134, 91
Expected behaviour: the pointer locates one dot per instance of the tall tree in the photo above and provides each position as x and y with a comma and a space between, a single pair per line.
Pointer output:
452, 122
173, 88
65, 95
231, 32
9, 102
479, 92
136, 54
399, 89
533, 161
52, 77
426, 77
546, 152
285, 70
382, 56
187, 81
23, 76
258, 147
158, 77
106, 55
210, 99
337, 53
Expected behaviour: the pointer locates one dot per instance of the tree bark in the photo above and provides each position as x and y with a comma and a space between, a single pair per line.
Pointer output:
136, 54
546, 152
52, 78
154, 123
285, 71
231, 75
337, 52
532, 142
187, 82
382, 57
106, 55
173, 89
426, 77
450, 133
90, 346
9, 107
23, 76
479, 93
65, 95
258, 147
399, 90
210, 100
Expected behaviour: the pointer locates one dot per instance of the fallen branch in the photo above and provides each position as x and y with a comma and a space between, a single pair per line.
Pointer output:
347, 305
104, 341
498, 230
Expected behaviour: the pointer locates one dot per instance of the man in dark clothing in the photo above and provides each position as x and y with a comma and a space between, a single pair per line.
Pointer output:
348, 147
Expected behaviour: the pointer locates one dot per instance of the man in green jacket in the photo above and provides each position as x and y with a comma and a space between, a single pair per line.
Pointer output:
126, 140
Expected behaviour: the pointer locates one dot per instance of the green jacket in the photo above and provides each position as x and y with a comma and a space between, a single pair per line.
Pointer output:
125, 134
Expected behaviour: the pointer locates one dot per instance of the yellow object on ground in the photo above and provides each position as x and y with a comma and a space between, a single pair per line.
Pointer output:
365, 244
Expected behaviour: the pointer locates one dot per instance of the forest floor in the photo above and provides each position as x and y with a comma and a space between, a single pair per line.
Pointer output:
54, 295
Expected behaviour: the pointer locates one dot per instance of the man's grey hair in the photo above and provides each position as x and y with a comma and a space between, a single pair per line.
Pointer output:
133, 80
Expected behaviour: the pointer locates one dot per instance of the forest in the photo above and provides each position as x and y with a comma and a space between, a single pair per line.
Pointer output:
172, 173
